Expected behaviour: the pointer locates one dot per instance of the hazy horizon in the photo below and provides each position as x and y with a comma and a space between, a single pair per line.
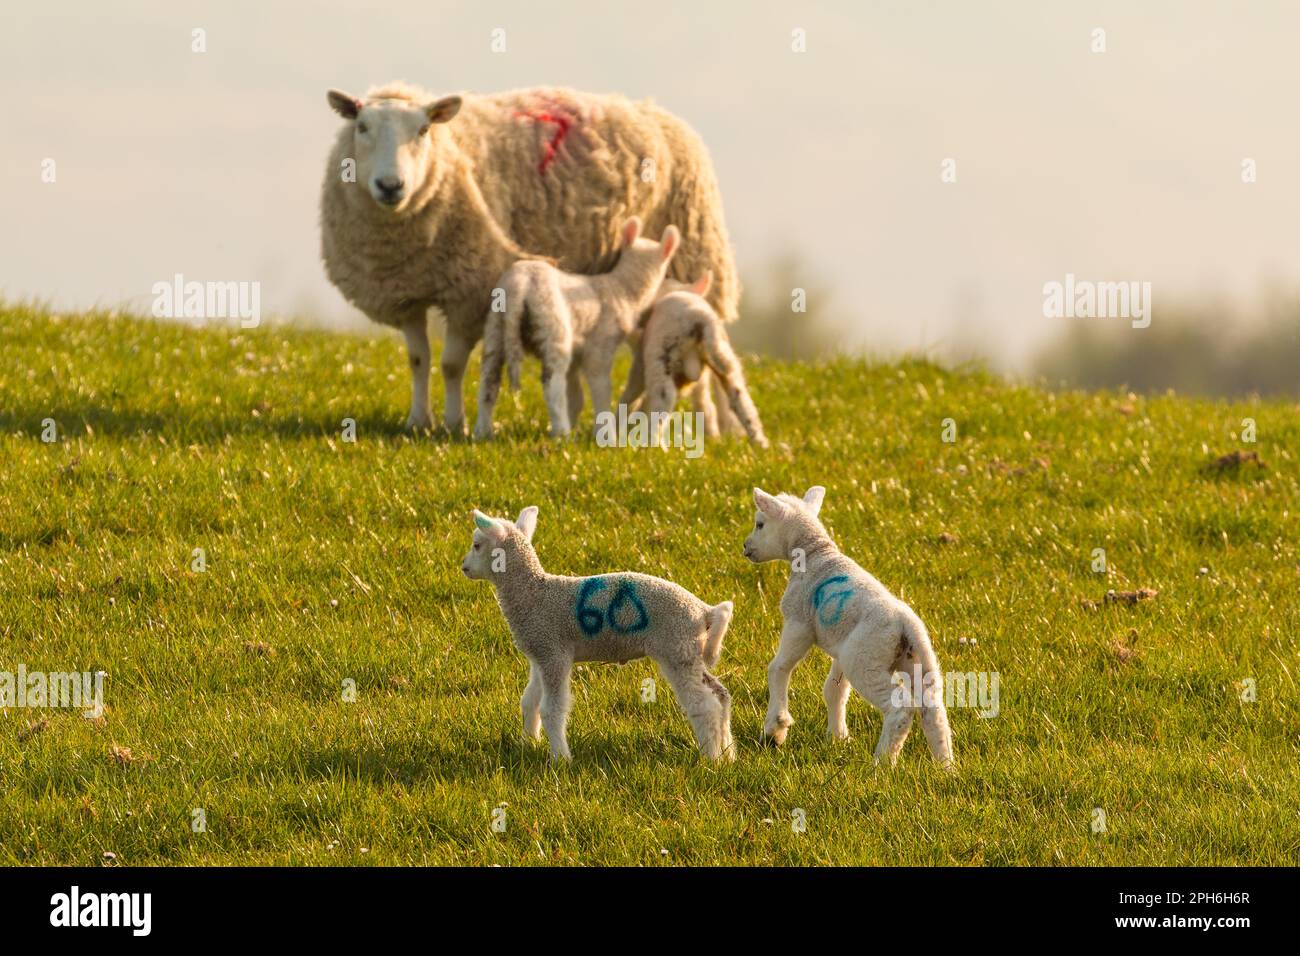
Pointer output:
1122, 165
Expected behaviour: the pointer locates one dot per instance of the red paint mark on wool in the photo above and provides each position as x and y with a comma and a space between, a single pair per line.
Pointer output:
552, 146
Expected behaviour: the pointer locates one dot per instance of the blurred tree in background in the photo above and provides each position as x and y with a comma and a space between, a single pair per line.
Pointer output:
1199, 350
769, 326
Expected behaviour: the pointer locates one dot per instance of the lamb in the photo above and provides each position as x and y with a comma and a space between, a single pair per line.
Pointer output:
868, 633
423, 196
682, 338
556, 620
575, 324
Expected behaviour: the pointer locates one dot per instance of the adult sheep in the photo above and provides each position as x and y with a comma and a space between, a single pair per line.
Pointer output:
427, 200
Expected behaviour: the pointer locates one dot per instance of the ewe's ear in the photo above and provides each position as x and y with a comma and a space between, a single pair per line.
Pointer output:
442, 110
527, 521
813, 498
345, 104
703, 284
669, 242
488, 525
767, 504
631, 229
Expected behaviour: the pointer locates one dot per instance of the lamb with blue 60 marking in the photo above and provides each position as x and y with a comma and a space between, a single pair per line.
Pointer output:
557, 620
869, 634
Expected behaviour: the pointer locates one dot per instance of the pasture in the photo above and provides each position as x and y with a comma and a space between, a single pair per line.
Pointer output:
332, 564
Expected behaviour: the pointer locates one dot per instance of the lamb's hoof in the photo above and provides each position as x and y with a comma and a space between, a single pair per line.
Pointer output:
483, 434
419, 424
776, 730
834, 734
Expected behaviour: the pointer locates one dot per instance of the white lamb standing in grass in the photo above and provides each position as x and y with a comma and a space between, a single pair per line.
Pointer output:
868, 633
681, 338
556, 620
574, 323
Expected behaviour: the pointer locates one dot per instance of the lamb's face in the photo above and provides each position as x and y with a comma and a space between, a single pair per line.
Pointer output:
478, 563
392, 142
495, 542
781, 521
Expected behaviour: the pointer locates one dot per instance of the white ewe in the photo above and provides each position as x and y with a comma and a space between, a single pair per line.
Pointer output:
868, 633
416, 185
556, 620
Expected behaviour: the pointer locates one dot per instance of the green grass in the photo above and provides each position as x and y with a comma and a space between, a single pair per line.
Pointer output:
226, 685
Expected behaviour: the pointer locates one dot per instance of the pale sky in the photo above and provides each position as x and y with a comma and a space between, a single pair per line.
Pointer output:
1112, 166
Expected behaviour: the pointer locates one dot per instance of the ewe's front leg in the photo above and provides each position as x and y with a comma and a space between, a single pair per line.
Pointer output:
796, 640
415, 327
455, 356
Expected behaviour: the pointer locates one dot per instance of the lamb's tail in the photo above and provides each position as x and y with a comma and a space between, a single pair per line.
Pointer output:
934, 715
513, 334
731, 377
716, 620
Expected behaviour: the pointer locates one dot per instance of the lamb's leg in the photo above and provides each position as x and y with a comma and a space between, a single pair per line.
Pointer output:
836, 692
556, 701
531, 703
599, 370
874, 679
489, 382
635, 375
574, 386
660, 396
724, 698
702, 706
796, 639
728, 423
416, 330
455, 355
555, 388
703, 397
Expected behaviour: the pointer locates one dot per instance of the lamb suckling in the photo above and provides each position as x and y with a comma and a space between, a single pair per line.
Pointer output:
421, 192
869, 634
682, 337
573, 323
557, 620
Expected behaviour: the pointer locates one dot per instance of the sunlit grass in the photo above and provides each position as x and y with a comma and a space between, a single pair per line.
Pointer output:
329, 561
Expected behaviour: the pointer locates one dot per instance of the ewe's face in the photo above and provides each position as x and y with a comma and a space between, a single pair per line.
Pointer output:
391, 144
392, 140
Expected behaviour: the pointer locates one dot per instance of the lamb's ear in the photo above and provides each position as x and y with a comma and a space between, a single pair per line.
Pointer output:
813, 498
527, 521
767, 504
669, 242
345, 104
489, 525
439, 111
703, 284
631, 229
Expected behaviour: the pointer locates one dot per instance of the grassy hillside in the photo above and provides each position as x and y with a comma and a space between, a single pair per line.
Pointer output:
329, 561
